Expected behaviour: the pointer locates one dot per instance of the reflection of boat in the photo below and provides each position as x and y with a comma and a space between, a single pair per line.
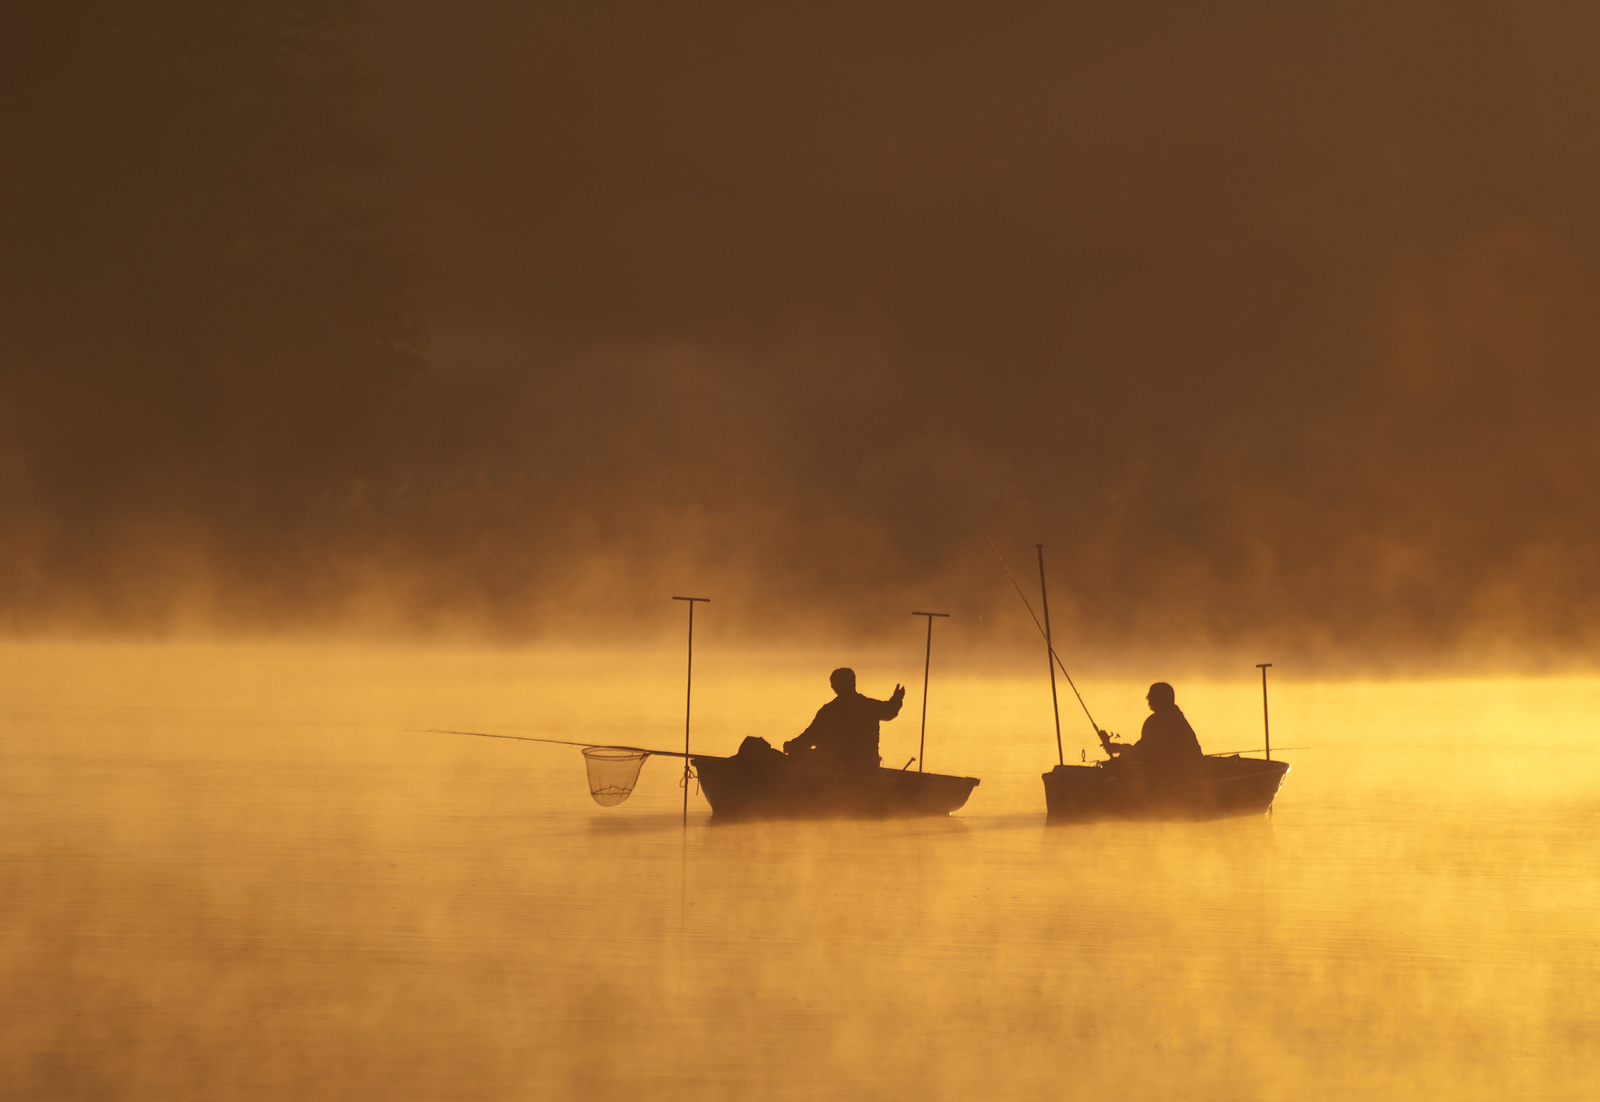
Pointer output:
771, 786
1118, 789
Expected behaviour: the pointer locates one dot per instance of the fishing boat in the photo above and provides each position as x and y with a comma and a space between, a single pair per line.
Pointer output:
760, 782
1224, 786
773, 786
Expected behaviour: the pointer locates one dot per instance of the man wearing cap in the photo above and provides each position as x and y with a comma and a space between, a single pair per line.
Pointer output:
844, 735
1167, 746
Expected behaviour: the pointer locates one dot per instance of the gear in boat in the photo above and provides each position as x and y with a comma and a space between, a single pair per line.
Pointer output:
1162, 776
832, 770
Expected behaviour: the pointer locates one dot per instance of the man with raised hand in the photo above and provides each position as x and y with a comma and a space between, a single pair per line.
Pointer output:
844, 735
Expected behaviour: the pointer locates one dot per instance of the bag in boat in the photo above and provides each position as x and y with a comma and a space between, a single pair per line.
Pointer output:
759, 758
613, 771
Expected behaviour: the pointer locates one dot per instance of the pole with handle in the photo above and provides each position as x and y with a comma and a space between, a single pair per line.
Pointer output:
927, 661
1050, 656
688, 697
1266, 726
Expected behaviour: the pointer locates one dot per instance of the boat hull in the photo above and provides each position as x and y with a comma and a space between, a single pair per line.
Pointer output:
739, 788
1226, 787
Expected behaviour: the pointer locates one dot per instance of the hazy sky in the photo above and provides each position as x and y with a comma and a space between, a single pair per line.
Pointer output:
1274, 322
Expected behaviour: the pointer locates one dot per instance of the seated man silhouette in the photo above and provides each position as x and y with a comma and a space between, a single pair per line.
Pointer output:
1167, 747
844, 735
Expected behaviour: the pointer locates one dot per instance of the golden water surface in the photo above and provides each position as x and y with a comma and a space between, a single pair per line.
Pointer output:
247, 873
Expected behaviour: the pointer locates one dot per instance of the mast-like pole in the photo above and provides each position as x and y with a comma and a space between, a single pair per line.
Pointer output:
1050, 656
688, 698
927, 661
1266, 725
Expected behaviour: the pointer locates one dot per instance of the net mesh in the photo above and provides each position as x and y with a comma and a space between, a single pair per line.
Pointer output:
613, 772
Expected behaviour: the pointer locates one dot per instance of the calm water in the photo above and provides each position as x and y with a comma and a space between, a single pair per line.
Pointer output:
245, 873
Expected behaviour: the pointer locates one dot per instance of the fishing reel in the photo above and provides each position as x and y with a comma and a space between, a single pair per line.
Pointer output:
1112, 743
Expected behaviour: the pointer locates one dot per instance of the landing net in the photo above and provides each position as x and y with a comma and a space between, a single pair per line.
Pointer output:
613, 771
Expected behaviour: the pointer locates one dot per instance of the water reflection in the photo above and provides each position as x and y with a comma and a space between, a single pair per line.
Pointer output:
242, 872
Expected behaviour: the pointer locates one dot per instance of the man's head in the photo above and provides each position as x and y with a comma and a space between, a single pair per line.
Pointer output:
843, 680
1161, 696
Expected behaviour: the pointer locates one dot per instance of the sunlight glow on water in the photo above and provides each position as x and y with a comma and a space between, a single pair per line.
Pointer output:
241, 872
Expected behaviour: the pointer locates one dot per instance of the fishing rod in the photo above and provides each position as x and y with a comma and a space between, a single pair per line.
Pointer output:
1101, 735
560, 742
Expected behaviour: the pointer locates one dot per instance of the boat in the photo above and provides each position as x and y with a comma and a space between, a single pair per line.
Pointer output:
773, 786
1225, 786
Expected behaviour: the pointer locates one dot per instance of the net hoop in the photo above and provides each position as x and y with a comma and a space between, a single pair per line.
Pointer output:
613, 771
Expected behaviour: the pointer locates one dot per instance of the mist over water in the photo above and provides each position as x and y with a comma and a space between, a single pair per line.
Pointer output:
372, 368
246, 872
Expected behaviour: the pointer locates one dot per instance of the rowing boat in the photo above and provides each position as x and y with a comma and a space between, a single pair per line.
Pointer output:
774, 786
1222, 787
